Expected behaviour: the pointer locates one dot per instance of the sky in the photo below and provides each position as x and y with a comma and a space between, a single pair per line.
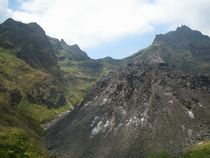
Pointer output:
116, 28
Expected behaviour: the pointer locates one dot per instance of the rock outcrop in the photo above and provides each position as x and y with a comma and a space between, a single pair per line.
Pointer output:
135, 112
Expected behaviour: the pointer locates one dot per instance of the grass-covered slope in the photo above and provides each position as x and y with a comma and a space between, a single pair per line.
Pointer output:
18, 143
200, 150
23, 108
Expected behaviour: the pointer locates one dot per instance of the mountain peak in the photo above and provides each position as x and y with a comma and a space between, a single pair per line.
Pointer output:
63, 42
13, 24
182, 37
183, 28
10, 22
75, 47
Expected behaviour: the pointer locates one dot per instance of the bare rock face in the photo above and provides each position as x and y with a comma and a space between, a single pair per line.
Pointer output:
155, 59
48, 95
135, 112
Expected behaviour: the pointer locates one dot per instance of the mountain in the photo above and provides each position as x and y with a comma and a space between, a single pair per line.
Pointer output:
135, 112
185, 49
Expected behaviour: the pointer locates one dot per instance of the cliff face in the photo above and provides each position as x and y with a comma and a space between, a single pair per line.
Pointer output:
136, 112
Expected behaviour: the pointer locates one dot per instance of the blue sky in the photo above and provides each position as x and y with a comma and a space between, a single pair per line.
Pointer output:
116, 28
125, 46
13, 4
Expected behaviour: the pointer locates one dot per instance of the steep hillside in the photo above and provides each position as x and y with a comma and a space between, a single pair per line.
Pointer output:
184, 49
30, 44
19, 131
136, 112
31, 89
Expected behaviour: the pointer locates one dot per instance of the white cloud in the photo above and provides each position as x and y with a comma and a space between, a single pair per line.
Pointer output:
89, 22
4, 11
93, 22
194, 13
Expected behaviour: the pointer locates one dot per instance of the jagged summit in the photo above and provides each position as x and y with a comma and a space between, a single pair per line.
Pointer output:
72, 52
9, 21
33, 26
182, 37
75, 47
183, 28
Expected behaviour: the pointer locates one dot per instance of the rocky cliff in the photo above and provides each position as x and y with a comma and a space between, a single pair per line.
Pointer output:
136, 112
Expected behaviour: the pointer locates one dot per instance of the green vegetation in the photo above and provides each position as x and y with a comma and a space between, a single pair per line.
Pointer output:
79, 80
17, 136
17, 143
201, 150
40, 113
16, 74
20, 131
161, 155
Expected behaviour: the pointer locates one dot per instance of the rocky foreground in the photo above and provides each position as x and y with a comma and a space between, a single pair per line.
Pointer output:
136, 112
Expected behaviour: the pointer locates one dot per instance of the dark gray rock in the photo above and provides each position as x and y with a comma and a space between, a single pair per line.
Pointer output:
135, 112
47, 95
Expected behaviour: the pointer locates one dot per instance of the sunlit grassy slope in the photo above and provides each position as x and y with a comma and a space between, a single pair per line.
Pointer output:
20, 131
200, 150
